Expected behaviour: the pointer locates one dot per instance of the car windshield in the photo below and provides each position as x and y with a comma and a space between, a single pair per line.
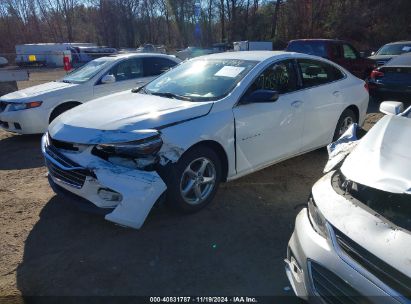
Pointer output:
395, 49
86, 72
395, 207
200, 79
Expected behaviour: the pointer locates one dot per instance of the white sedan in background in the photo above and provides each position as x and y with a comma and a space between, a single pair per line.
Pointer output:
30, 111
353, 241
210, 119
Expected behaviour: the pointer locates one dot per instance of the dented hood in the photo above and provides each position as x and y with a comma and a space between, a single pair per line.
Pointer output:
364, 226
122, 117
382, 158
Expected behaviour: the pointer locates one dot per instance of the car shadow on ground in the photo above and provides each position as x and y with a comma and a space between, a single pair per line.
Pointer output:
236, 246
20, 152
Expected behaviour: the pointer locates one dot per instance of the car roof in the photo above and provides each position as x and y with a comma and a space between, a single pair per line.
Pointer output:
399, 42
248, 55
319, 40
130, 55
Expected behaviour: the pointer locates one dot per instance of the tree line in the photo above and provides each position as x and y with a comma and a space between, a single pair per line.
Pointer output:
179, 23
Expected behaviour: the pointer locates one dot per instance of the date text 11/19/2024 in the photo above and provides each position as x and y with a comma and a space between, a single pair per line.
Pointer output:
203, 300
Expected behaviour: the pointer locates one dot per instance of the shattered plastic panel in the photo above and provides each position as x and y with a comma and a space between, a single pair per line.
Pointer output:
338, 150
395, 207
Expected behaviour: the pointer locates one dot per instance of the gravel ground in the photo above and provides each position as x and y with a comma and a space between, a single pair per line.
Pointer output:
236, 246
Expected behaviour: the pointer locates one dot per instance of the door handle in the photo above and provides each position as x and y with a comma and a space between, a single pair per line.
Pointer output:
296, 104
336, 93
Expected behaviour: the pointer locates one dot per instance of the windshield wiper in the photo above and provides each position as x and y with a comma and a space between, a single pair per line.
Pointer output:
66, 81
140, 90
171, 95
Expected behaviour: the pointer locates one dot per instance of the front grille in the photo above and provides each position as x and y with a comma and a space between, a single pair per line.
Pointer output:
383, 271
332, 289
62, 144
3, 106
75, 177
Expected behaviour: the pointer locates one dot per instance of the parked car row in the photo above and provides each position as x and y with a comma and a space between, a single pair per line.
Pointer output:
388, 71
124, 131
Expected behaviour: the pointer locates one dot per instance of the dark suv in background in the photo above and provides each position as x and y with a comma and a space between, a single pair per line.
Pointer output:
341, 52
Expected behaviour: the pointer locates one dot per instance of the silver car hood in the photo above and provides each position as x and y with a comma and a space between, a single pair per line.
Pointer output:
382, 158
37, 90
363, 226
123, 116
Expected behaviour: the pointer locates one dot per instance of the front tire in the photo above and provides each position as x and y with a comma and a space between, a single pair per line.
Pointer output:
347, 118
193, 181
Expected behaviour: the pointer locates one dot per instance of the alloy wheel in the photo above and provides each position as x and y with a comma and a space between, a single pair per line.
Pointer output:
198, 181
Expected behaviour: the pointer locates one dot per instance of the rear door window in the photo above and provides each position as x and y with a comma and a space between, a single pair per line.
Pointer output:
280, 77
127, 69
315, 73
154, 66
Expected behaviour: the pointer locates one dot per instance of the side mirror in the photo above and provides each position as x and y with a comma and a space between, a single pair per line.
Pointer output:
259, 96
391, 107
108, 79
372, 53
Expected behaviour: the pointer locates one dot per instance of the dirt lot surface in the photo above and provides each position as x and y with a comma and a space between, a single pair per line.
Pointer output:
236, 246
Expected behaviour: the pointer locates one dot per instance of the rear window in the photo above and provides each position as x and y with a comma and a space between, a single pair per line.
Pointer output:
316, 48
315, 73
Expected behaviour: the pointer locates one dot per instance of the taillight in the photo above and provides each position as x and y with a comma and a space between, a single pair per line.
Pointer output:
366, 87
376, 73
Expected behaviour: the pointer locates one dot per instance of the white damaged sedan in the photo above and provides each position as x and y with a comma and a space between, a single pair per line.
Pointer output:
211, 119
352, 244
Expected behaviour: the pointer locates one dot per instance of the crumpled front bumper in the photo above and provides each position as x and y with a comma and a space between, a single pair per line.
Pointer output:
129, 193
309, 252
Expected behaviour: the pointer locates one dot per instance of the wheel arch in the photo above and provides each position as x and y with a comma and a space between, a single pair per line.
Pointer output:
70, 104
355, 109
221, 153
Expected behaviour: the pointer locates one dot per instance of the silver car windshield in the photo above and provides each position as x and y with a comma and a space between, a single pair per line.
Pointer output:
200, 79
394, 49
86, 72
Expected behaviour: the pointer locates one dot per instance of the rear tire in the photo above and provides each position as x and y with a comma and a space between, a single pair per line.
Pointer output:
193, 181
347, 118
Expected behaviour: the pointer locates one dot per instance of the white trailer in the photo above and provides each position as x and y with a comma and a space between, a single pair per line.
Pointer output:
253, 46
50, 54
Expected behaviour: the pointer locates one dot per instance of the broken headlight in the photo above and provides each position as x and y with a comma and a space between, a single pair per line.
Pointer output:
317, 220
133, 149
